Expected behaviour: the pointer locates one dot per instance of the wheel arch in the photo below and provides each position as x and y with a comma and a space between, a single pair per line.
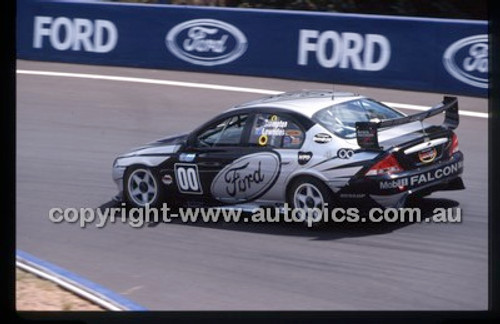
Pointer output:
307, 174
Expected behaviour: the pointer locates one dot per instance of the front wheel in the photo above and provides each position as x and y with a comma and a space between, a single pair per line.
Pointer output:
142, 188
309, 199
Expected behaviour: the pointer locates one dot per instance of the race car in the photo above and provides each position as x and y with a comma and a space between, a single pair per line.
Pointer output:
305, 148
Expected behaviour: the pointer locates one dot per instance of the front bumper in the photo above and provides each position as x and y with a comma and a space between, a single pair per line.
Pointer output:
393, 190
117, 175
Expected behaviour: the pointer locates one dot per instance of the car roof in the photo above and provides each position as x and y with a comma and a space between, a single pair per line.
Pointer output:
306, 102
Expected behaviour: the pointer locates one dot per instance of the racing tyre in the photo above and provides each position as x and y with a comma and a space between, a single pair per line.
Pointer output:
141, 187
310, 199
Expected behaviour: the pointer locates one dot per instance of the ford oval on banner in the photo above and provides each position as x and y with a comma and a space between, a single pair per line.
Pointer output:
467, 60
206, 42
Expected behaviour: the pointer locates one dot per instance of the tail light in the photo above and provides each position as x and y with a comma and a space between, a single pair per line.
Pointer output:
388, 165
454, 144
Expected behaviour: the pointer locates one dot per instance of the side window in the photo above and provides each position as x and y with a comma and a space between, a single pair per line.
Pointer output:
270, 130
228, 132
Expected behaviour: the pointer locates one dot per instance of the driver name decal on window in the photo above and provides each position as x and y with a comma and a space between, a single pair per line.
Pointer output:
274, 127
275, 131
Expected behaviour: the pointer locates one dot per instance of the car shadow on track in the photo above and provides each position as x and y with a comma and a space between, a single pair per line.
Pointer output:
329, 231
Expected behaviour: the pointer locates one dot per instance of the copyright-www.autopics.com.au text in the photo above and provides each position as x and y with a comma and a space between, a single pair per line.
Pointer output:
138, 217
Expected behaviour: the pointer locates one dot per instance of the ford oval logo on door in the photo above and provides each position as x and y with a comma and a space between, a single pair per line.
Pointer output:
467, 60
206, 42
247, 178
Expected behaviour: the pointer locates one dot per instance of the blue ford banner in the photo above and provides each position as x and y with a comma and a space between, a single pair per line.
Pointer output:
438, 55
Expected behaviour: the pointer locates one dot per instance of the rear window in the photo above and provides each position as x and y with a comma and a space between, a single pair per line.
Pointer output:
341, 119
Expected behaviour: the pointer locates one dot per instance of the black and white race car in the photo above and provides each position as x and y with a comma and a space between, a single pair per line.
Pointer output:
306, 148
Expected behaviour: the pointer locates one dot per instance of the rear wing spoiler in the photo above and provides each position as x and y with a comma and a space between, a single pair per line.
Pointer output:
367, 132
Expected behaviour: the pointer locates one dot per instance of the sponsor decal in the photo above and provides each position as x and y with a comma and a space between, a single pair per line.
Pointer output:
427, 155
167, 179
187, 157
75, 34
206, 42
396, 183
304, 157
263, 140
366, 135
246, 178
369, 52
322, 138
345, 153
352, 195
188, 179
467, 60
423, 178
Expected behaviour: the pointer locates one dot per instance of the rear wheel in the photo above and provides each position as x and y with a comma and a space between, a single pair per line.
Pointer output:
310, 199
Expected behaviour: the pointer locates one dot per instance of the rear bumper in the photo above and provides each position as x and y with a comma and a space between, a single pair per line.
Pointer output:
393, 190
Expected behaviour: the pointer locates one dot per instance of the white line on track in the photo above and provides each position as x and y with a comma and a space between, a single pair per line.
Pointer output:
210, 87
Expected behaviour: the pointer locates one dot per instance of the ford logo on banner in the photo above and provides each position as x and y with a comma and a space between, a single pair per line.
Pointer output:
206, 42
467, 60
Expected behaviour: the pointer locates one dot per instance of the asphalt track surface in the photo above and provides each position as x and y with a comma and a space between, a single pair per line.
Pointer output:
69, 130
